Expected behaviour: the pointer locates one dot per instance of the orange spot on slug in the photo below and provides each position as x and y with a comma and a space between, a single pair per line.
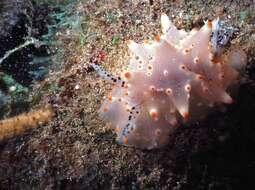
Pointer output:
185, 115
157, 38
209, 24
127, 75
154, 114
110, 98
105, 109
125, 140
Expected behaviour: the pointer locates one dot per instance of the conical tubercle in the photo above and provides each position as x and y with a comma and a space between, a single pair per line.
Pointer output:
165, 23
170, 33
205, 32
226, 98
181, 102
139, 50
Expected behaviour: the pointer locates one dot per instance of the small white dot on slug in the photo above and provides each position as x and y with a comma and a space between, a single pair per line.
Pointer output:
182, 67
186, 51
149, 67
187, 87
199, 77
196, 60
151, 58
165, 72
168, 91
221, 76
148, 73
139, 67
152, 88
157, 132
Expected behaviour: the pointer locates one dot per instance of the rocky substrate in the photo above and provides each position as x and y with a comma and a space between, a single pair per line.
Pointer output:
21, 20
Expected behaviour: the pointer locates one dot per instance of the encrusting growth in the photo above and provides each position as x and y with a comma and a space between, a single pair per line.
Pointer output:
167, 81
19, 124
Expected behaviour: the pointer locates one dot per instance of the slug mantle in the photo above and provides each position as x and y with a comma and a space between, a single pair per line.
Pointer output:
168, 81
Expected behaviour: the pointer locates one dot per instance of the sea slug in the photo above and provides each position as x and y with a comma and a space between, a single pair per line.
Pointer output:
168, 81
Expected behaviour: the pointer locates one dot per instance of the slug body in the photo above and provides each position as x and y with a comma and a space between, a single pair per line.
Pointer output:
167, 80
